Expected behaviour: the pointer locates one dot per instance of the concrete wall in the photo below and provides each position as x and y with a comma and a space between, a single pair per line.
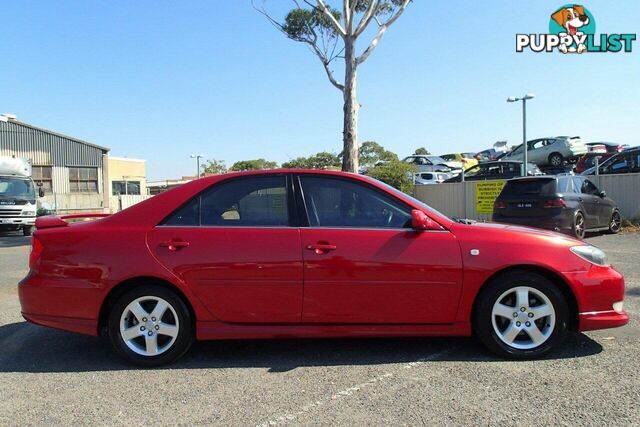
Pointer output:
123, 169
459, 199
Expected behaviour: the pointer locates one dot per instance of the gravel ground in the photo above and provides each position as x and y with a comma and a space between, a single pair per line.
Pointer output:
52, 377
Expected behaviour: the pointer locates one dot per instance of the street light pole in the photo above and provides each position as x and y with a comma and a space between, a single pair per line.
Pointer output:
524, 99
197, 157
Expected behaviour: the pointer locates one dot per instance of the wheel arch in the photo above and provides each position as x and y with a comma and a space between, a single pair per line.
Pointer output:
121, 288
552, 276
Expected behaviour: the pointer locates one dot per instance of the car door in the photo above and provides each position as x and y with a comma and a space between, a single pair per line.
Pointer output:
234, 246
536, 152
364, 264
590, 200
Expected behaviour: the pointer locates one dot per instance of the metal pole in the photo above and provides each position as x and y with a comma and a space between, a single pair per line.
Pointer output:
198, 166
524, 136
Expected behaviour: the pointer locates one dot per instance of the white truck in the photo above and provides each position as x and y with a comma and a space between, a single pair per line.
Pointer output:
18, 195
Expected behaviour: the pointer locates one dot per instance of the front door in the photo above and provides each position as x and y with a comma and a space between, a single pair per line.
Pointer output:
234, 247
364, 264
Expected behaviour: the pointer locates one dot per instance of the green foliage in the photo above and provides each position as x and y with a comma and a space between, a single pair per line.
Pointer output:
214, 166
300, 24
422, 151
395, 173
250, 165
371, 153
322, 160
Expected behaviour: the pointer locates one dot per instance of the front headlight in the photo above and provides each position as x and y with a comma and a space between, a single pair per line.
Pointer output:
591, 254
28, 213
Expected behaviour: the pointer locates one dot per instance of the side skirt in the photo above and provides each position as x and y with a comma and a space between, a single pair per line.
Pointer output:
221, 331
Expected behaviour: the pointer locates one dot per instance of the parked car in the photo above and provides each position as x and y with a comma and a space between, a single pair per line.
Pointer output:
301, 253
428, 178
589, 160
461, 160
495, 170
569, 204
610, 147
487, 155
627, 161
429, 163
549, 151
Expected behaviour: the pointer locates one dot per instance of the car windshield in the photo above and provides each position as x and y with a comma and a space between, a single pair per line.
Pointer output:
436, 159
448, 157
16, 188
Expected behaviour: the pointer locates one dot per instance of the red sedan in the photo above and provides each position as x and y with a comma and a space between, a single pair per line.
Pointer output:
296, 253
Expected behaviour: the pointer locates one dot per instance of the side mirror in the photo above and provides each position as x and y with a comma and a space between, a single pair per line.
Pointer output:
603, 194
420, 221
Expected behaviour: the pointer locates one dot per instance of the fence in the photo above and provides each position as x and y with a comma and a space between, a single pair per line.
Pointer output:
74, 203
474, 199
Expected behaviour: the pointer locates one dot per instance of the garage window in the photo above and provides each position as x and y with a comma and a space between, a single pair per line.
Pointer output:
83, 179
42, 177
125, 187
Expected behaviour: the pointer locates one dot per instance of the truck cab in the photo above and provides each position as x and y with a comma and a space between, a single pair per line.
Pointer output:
18, 195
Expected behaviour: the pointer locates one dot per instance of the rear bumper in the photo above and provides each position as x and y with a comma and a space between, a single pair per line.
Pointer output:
81, 326
562, 222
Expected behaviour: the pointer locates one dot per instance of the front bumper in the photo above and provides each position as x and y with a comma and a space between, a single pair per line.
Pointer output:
27, 220
599, 291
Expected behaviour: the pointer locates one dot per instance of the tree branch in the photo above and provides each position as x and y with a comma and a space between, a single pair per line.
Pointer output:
323, 7
383, 29
366, 19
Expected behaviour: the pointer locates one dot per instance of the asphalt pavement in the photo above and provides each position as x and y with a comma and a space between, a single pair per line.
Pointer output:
53, 377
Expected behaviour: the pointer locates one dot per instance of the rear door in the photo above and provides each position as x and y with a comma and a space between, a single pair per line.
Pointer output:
364, 264
234, 245
589, 197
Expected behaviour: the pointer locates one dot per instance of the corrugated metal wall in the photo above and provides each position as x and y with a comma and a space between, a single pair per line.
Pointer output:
459, 199
44, 148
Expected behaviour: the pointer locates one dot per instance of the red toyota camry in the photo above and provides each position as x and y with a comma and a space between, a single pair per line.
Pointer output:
298, 253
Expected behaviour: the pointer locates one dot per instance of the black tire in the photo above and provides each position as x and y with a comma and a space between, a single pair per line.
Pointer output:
615, 223
182, 318
27, 230
556, 159
483, 325
579, 227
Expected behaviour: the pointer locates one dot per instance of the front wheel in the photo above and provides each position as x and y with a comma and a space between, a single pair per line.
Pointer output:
151, 326
556, 159
521, 315
27, 230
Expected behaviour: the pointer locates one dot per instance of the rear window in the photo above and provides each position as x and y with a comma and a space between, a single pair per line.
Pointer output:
529, 187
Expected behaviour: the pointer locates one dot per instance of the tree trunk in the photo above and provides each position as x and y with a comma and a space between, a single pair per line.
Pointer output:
351, 107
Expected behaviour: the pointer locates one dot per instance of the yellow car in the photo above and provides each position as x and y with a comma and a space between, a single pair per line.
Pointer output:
466, 160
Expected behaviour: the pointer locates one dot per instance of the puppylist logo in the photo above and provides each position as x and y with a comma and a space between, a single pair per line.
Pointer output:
572, 29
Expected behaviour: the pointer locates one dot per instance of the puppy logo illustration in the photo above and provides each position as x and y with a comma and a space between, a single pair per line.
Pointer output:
574, 20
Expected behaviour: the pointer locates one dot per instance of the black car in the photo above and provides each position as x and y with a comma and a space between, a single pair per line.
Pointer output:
569, 204
627, 161
495, 170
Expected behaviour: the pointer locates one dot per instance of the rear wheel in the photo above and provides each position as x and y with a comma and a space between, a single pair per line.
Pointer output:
521, 315
616, 222
556, 159
151, 326
579, 229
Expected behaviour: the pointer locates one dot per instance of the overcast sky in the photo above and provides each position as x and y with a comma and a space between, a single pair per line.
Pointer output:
160, 80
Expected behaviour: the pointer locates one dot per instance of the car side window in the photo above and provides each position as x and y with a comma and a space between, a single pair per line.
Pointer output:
254, 201
620, 165
334, 202
589, 187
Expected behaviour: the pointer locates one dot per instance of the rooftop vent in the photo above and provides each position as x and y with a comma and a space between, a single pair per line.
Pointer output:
9, 116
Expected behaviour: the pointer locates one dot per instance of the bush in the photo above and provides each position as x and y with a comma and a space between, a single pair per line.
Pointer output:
395, 173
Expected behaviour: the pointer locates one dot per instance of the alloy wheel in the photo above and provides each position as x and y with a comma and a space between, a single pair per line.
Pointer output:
149, 326
579, 225
523, 318
616, 222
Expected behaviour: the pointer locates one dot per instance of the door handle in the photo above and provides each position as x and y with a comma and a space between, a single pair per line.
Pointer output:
322, 247
174, 244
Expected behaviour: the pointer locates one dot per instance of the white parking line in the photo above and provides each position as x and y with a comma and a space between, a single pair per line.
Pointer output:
282, 419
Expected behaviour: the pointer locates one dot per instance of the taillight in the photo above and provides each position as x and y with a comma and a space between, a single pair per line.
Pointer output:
499, 205
555, 203
36, 251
